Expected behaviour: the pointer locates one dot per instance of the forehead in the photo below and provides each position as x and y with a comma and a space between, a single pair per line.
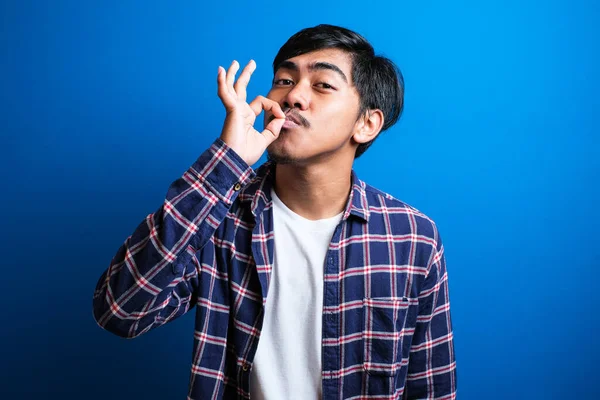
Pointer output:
337, 57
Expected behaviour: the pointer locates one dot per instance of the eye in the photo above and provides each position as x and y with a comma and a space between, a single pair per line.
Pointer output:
282, 82
325, 85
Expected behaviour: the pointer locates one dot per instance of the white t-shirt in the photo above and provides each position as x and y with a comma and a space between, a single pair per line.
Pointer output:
287, 364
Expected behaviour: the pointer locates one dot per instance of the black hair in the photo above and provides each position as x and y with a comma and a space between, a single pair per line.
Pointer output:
378, 81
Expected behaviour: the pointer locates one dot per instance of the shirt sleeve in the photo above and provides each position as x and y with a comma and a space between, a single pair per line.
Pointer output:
432, 365
151, 279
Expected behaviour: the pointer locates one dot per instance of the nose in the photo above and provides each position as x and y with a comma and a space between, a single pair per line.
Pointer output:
296, 97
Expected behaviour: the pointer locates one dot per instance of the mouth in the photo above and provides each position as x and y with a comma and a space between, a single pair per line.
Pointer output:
290, 123
291, 119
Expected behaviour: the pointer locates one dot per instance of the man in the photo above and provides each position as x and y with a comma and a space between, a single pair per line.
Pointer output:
308, 283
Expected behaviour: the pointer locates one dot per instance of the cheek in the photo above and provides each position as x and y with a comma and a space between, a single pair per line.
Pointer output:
335, 118
270, 95
276, 94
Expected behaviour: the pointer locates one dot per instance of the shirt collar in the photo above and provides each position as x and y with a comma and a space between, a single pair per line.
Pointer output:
258, 193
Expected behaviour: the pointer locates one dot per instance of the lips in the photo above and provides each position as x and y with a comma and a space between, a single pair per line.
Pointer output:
288, 124
292, 118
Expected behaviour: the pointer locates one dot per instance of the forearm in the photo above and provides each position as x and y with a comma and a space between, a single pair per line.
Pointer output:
152, 278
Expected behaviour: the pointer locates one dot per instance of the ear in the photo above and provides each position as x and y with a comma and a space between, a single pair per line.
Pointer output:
368, 126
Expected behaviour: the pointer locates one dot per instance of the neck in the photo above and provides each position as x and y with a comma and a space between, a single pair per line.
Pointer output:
314, 191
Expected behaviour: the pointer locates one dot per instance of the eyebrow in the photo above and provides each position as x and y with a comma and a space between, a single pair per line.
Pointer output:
315, 66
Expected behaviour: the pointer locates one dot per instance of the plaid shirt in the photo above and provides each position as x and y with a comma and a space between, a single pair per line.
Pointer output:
386, 328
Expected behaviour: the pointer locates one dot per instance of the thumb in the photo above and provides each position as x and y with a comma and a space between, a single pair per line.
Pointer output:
272, 130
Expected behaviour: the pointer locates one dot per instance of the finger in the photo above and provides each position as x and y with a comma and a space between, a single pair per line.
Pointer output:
262, 103
244, 78
224, 94
233, 69
272, 130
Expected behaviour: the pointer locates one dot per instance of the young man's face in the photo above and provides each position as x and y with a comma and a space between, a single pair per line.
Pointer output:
315, 88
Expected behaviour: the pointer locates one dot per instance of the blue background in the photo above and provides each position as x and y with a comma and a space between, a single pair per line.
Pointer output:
104, 104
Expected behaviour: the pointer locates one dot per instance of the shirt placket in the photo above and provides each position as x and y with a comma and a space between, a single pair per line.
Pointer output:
330, 328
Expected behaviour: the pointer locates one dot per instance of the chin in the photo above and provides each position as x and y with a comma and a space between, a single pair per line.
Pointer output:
279, 152
281, 158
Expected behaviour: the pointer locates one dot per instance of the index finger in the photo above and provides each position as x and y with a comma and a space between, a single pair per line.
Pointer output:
262, 103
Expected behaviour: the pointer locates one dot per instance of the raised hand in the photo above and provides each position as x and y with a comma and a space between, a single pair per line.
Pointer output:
238, 129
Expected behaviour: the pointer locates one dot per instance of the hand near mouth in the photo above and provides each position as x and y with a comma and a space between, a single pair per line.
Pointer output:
238, 128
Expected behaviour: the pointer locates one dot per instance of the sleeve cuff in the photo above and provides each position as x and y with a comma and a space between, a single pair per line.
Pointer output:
222, 171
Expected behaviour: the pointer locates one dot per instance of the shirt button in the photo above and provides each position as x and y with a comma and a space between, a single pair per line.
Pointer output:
237, 187
246, 367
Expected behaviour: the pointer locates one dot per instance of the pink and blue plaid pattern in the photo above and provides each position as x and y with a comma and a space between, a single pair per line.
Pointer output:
387, 331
